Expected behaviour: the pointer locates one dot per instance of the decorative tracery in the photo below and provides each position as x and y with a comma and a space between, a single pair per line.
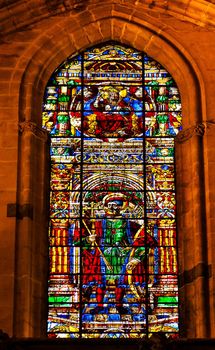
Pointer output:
112, 113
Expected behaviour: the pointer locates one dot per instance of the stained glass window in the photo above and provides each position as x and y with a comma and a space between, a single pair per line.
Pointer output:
112, 113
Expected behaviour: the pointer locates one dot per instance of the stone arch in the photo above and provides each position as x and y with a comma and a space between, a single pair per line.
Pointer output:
46, 53
200, 12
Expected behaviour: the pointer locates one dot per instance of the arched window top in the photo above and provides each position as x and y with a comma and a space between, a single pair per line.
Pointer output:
112, 113
113, 69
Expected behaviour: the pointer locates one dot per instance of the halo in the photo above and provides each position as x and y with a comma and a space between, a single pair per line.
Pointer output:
115, 197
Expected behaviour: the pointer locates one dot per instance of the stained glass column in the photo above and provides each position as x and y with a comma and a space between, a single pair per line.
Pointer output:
162, 124
65, 187
113, 196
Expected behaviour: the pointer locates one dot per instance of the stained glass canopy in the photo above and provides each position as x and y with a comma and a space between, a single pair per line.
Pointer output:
112, 113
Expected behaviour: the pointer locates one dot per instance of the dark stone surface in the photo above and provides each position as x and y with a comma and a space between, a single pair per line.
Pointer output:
20, 211
200, 270
156, 342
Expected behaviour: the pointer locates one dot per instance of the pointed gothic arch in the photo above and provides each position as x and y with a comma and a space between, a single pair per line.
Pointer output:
32, 140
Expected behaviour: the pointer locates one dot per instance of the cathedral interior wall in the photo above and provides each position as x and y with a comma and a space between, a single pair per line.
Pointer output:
36, 39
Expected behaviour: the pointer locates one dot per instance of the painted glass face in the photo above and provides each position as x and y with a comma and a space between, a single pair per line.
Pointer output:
112, 113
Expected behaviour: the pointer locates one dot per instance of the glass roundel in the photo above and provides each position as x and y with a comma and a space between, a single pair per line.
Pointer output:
112, 113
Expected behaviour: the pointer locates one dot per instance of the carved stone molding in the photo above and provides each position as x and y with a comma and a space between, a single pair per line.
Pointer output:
23, 14
31, 127
196, 130
60, 6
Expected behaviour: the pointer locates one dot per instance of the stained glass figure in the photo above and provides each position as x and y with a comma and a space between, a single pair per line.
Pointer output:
112, 113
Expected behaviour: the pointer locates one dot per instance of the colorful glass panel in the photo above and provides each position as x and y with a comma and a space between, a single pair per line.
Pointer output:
112, 113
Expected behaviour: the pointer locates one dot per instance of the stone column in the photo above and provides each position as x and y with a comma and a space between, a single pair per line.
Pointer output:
31, 260
192, 233
209, 162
